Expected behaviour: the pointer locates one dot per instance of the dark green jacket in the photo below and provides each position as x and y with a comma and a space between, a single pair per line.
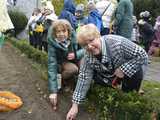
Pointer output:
123, 18
57, 55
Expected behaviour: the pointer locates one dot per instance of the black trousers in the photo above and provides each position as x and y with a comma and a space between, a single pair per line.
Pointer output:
128, 83
38, 39
45, 45
32, 40
132, 83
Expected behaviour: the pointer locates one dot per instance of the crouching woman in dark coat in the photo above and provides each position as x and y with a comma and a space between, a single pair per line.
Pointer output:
63, 56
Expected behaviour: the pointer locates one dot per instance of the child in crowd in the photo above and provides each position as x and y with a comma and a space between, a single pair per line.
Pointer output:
63, 56
80, 18
31, 27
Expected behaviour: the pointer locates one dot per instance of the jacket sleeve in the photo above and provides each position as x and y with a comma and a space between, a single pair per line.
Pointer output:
80, 53
83, 83
135, 57
52, 70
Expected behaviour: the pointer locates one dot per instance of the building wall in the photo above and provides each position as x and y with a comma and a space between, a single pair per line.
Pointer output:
26, 6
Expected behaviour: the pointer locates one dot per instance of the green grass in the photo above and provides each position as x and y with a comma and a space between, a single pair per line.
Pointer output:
152, 90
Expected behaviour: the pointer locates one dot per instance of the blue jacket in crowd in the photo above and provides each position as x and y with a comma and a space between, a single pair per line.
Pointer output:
95, 18
68, 12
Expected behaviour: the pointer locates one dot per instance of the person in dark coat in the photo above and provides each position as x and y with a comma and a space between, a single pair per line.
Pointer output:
94, 16
123, 18
80, 18
68, 13
63, 57
146, 30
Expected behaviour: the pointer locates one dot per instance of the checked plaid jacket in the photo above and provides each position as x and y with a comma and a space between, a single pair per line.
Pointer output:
126, 55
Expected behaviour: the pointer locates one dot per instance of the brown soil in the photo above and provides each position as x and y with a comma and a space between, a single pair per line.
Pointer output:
17, 75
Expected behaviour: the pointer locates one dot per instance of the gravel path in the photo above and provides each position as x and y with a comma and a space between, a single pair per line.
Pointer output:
153, 72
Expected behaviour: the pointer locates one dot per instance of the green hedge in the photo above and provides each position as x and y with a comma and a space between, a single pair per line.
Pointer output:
18, 19
117, 105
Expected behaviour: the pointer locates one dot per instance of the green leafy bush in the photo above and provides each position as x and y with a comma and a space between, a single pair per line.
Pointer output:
18, 19
117, 105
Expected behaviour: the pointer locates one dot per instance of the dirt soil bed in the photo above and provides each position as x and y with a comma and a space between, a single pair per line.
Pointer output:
17, 75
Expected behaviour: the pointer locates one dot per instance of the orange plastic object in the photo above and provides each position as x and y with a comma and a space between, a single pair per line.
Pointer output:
9, 101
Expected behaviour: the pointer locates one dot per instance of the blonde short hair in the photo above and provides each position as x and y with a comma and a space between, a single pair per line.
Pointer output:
88, 31
61, 23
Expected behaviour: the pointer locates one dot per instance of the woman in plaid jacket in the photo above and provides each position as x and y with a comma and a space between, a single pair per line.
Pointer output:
107, 58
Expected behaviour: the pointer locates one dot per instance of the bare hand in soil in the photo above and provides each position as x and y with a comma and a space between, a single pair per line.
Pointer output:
71, 115
53, 100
